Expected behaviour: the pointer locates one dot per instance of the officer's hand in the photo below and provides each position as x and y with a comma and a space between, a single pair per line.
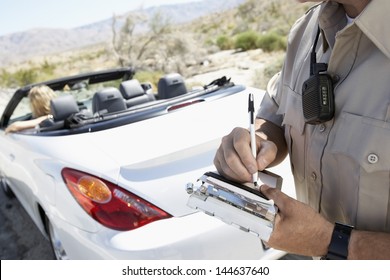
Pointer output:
298, 228
234, 159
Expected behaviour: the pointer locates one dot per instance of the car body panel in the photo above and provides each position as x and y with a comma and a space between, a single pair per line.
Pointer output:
187, 241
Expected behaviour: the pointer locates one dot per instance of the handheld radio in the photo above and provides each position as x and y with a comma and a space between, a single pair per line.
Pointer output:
317, 91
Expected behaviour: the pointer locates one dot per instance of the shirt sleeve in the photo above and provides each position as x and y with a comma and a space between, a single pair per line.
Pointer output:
269, 105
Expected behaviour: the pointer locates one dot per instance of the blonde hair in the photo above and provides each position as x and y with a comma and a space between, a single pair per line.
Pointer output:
40, 97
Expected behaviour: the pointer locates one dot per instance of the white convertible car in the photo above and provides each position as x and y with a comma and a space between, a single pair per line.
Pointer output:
105, 178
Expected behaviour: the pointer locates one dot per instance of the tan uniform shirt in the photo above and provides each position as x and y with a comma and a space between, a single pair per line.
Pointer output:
341, 167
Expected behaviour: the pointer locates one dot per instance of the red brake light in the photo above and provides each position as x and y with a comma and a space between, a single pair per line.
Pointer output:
109, 204
182, 105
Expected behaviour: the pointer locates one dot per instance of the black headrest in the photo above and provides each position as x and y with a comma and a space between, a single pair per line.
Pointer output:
63, 106
171, 85
131, 89
108, 100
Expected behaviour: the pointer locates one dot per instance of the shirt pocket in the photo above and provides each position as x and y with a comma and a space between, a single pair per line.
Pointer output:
294, 125
366, 142
291, 108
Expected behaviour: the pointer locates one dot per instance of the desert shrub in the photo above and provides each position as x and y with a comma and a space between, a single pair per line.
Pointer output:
247, 40
26, 76
48, 68
225, 42
19, 78
4, 78
271, 41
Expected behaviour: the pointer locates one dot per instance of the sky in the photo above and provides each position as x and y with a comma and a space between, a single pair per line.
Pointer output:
22, 15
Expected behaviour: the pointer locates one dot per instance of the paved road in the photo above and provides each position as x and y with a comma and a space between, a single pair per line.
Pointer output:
19, 237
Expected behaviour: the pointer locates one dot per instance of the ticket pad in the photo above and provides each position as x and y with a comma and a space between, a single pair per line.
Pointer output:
239, 205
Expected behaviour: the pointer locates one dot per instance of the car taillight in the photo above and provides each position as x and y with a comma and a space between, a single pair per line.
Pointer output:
109, 204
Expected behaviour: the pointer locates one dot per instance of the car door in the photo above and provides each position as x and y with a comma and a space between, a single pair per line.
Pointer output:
18, 154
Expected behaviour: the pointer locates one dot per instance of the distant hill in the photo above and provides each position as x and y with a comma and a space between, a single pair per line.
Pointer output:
21, 46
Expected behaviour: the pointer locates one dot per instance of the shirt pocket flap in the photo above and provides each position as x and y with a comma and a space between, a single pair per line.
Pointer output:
365, 141
291, 107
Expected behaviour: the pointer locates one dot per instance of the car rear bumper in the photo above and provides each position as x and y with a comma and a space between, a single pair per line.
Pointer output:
195, 236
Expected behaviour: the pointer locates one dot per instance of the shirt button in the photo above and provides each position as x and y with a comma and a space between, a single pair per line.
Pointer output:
336, 78
313, 176
372, 158
322, 128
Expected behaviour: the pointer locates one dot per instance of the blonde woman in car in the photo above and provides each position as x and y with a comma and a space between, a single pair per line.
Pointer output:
39, 97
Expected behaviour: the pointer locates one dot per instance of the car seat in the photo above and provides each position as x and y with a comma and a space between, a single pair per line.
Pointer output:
108, 100
171, 85
134, 94
63, 106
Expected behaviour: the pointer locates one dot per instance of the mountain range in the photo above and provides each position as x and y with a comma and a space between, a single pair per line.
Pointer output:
22, 46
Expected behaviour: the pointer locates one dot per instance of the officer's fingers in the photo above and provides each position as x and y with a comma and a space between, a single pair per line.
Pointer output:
227, 160
242, 146
266, 155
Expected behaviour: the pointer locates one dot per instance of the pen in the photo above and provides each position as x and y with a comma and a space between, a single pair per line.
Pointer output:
251, 111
